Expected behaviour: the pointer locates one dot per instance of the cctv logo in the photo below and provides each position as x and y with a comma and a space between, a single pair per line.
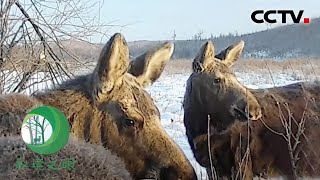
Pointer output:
261, 16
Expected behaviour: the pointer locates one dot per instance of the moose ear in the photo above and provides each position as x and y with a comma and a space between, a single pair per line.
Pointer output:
112, 65
231, 54
148, 67
204, 58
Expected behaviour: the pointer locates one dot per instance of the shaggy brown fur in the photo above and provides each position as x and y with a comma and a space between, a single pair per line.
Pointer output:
110, 107
90, 162
13, 108
287, 120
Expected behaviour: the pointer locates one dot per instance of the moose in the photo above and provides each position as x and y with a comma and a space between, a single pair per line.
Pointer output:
111, 108
241, 133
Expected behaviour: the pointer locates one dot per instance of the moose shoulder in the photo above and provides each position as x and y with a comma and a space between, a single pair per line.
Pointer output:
111, 108
280, 126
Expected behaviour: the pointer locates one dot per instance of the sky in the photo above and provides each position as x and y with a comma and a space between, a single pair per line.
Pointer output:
157, 20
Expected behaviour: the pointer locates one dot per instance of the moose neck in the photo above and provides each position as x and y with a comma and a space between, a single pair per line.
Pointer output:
76, 107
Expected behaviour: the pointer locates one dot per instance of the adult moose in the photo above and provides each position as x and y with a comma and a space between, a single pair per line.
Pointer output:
265, 132
110, 107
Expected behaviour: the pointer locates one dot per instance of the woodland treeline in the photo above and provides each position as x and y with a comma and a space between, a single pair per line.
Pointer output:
288, 41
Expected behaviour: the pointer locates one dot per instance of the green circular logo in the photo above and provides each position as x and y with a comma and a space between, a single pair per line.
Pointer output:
45, 130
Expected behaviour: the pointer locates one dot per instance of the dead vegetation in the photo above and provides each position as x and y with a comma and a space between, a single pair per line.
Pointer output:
33, 35
301, 68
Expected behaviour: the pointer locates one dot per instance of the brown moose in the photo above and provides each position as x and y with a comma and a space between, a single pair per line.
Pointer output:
110, 107
268, 132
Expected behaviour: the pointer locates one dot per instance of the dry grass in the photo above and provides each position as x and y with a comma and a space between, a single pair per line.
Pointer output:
301, 68
307, 68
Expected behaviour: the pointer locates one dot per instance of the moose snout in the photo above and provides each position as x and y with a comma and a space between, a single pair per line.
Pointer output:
254, 112
178, 172
168, 158
247, 109
172, 173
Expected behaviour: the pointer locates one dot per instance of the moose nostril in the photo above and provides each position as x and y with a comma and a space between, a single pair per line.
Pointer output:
169, 173
259, 113
252, 114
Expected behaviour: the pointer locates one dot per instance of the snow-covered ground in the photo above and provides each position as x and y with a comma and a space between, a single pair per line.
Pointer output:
168, 94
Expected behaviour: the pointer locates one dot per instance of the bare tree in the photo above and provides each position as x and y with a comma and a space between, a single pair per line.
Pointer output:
174, 35
32, 40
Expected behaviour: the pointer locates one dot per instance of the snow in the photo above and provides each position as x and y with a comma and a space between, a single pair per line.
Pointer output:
168, 92
260, 54
14, 78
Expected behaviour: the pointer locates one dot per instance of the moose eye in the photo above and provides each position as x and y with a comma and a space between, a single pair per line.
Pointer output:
217, 80
129, 122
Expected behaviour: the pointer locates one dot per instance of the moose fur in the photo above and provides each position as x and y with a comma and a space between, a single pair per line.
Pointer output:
268, 132
90, 162
110, 108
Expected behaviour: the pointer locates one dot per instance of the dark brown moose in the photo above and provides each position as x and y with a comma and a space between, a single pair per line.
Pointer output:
268, 132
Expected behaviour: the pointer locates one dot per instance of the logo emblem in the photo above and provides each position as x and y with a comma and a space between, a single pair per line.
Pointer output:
262, 16
45, 130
